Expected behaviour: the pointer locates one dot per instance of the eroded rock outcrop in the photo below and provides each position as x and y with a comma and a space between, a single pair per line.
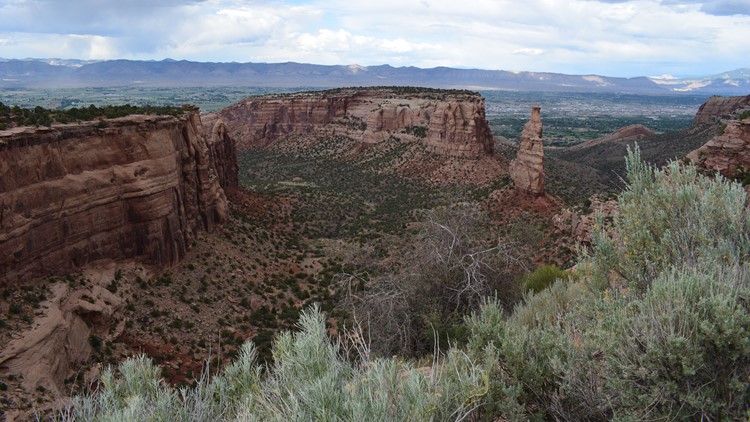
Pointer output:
579, 224
527, 169
60, 340
727, 153
451, 123
717, 108
141, 188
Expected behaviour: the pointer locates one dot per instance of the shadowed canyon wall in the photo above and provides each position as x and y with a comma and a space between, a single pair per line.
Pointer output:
135, 187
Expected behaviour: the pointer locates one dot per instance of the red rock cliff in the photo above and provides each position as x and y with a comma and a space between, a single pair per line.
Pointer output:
726, 153
141, 188
452, 123
718, 107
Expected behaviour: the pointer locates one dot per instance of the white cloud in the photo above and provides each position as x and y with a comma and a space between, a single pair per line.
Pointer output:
529, 51
620, 37
95, 47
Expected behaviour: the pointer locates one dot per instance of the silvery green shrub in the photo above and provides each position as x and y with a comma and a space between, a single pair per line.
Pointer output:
656, 328
310, 380
671, 217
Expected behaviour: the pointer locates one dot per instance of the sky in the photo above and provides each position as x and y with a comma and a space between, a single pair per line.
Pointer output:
605, 37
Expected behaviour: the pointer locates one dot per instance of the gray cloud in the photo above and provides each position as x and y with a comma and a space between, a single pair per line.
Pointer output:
710, 7
726, 7
89, 17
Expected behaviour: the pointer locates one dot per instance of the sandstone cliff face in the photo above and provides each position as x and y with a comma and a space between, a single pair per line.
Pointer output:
527, 169
452, 123
459, 129
257, 121
718, 108
727, 153
139, 188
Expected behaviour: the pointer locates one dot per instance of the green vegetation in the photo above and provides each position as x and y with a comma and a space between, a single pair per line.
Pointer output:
207, 98
672, 218
602, 165
40, 116
340, 198
309, 380
566, 130
655, 326
421, 91
418, 131
542, 277
570, 118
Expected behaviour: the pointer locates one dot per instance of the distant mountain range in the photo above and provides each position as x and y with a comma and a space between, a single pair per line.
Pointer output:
59, 73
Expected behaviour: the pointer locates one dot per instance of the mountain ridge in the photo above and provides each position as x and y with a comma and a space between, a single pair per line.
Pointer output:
71, 73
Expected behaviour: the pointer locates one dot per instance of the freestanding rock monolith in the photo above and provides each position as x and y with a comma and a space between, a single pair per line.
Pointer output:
527, 169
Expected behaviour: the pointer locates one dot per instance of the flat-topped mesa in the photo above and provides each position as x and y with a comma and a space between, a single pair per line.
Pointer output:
527, 169
717, 108
139, 188
451, 123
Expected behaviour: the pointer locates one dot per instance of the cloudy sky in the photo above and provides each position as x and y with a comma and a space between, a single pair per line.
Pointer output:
610, 37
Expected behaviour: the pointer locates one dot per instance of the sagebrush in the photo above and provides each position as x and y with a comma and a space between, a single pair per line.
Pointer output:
655, 325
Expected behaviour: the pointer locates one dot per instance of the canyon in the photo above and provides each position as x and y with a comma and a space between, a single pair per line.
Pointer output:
147, 212
94, 214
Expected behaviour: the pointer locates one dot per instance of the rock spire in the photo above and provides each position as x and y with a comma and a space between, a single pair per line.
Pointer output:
527, 169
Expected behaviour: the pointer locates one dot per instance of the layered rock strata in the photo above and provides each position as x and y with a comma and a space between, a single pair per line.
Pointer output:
527, 169
727, 153
135, 187
451, 123
717, 108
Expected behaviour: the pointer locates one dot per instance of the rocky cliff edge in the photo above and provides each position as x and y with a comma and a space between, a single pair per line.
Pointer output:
136, 187
717, 108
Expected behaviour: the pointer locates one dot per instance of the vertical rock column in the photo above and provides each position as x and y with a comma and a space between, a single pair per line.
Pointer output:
527, 169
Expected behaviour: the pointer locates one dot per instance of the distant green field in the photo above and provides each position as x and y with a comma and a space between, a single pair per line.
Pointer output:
208, 99
569, 118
